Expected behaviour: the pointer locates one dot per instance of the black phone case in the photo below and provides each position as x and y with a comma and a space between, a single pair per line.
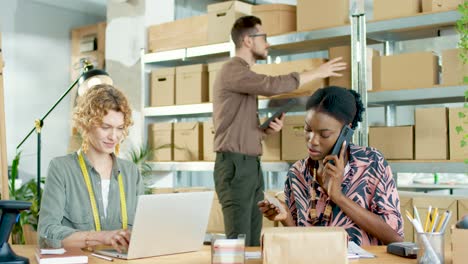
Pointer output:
285, 108
346, 133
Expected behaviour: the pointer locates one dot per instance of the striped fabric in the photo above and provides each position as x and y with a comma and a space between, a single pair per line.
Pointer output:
368, 182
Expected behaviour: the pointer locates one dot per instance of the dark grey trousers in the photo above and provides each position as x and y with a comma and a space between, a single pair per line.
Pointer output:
239, 184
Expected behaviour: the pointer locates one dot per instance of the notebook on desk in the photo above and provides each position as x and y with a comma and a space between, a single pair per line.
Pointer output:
167, 224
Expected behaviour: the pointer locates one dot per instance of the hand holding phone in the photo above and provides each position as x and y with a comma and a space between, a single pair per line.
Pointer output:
346, 134
275, 202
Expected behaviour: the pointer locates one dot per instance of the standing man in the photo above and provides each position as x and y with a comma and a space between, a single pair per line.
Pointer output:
237, 174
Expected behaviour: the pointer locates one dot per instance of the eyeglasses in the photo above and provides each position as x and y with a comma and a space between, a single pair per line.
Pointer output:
259, 35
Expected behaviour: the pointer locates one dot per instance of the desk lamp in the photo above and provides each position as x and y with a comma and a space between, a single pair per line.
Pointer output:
10, 212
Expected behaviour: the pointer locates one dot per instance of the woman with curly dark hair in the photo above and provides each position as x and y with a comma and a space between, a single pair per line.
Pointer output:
356, 191
90, 196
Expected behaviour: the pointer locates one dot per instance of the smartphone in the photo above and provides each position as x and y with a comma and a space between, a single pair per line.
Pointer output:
275, 201
285, 108
346, 134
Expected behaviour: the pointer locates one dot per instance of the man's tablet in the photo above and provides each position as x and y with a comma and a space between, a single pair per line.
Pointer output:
285, 108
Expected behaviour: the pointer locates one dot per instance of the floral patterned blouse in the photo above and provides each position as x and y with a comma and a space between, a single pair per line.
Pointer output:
368, 181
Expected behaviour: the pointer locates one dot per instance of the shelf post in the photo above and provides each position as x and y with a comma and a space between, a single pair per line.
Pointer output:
359, 64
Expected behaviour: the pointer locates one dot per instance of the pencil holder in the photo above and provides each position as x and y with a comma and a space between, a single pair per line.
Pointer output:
431, 248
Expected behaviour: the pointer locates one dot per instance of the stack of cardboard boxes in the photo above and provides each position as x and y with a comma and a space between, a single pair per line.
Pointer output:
433, 137
387, 9
215, 26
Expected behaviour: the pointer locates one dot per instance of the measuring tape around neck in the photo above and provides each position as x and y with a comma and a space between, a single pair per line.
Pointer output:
92, 198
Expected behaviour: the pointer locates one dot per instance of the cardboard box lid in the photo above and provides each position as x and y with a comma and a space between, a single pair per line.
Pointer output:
164, 71
294, 120
185, 126
215, 65
191, 68
230, 5
273, 7
161, 127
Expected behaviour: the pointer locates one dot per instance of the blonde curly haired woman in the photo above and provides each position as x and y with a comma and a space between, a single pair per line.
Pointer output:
90, 195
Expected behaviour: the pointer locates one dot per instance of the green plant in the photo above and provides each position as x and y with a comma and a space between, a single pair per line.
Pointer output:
27, 192
140, 156
462, 29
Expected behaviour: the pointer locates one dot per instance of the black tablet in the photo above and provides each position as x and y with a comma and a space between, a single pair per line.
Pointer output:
283, 109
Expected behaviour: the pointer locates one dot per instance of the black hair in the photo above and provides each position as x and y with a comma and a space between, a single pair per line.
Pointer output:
343, 104
244, 25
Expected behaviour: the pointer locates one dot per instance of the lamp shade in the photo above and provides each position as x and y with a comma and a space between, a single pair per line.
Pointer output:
91, 78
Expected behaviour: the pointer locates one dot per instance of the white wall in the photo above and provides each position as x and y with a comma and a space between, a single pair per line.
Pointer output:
36, 50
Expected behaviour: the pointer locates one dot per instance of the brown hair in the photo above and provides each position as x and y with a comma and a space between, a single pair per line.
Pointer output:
96, 103
243, 26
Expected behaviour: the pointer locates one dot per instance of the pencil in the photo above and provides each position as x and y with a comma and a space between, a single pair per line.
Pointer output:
416, 215
433, 219
441, 221
426, 223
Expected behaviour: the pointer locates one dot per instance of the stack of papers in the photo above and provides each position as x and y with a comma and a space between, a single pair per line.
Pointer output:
355, 251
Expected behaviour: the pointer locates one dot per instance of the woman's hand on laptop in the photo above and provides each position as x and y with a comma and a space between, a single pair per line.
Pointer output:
118, 239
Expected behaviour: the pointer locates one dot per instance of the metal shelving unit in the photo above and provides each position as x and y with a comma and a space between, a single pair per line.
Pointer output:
434, 95
418, 166
415, 27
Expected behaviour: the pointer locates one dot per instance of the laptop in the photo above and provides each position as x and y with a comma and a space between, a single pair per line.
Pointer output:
167, 224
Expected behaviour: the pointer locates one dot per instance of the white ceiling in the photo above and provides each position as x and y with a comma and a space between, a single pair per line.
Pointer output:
95, 7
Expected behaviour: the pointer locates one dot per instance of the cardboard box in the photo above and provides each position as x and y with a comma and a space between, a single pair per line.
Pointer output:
208, 139
385, 9
459, 242
440, 5
345, 80
442, 202
456, 151
178, 34
394, 142
271, 145
292, 245
161, 140
315, 14
453, 69
188, 141
221, 18
431, 133
294, 66
293, 144
406, 204
162, 91
191, 84
213, 69
276, 18
407, 71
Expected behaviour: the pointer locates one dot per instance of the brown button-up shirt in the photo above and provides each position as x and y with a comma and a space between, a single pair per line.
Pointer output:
235, 116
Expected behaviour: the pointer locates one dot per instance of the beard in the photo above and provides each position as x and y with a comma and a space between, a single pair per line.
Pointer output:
259, 56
